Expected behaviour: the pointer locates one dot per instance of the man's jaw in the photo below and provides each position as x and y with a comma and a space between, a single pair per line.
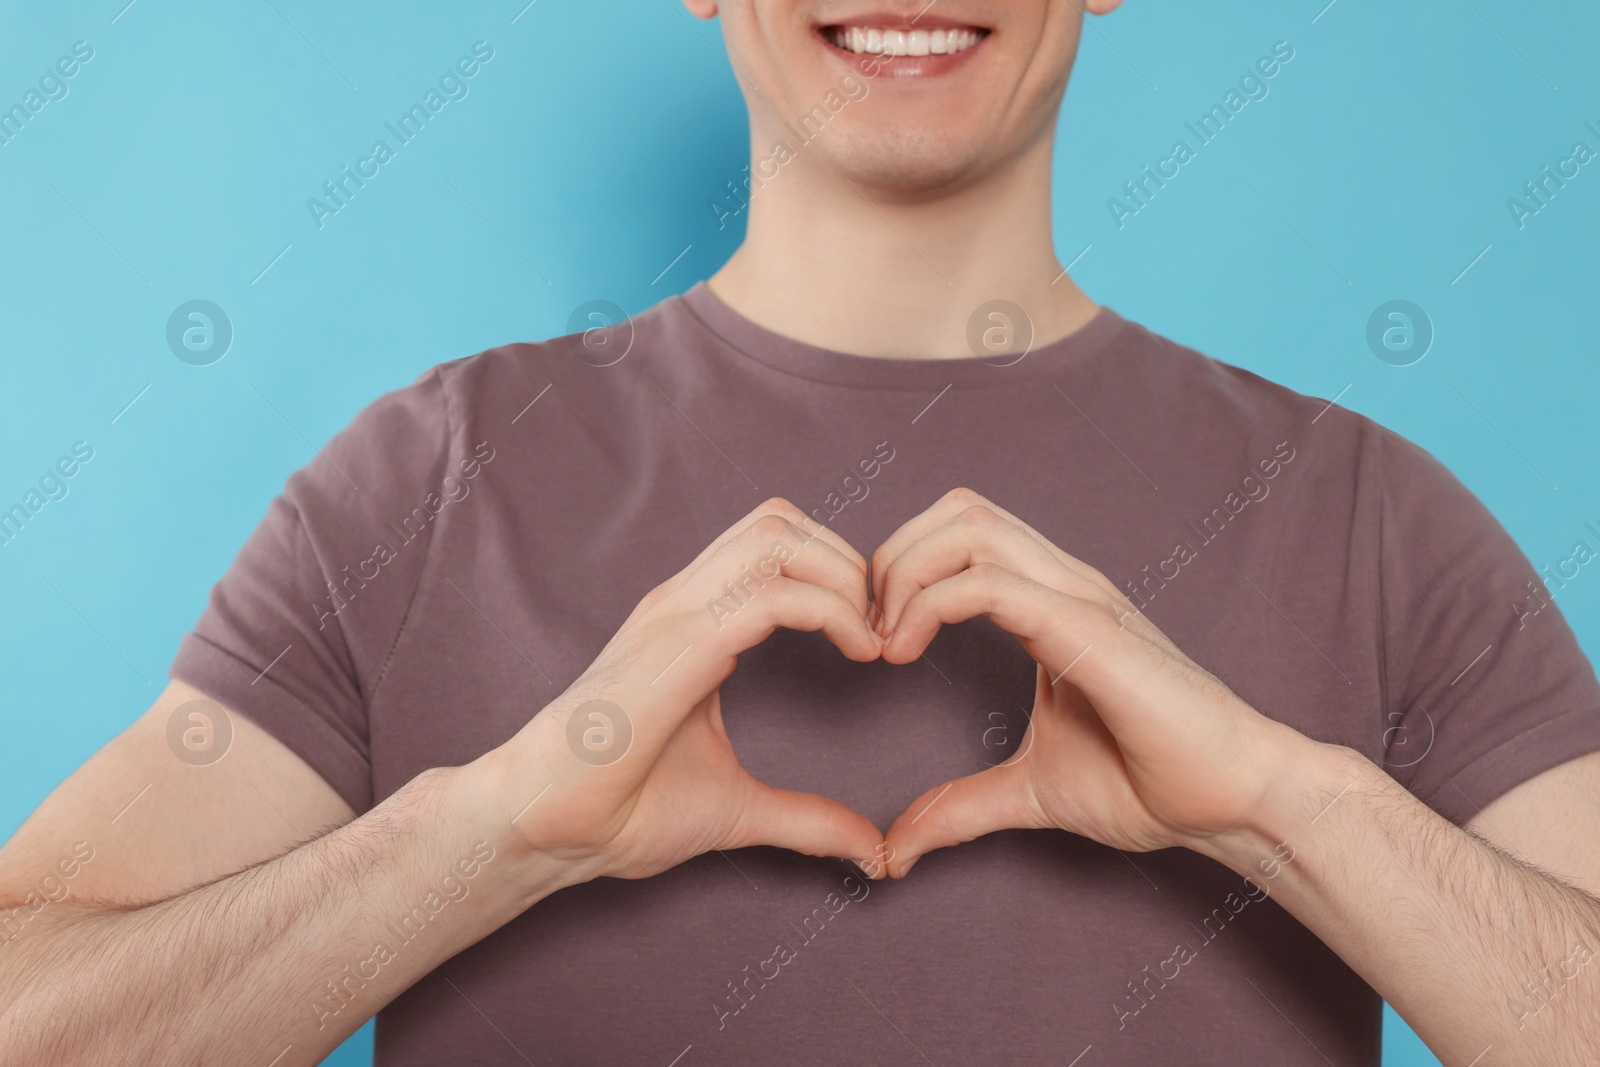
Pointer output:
904, 46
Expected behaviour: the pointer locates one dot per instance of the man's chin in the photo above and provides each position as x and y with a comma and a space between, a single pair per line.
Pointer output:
906, 163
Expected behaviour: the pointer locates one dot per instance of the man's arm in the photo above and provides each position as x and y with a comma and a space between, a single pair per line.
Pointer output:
1551, 821
155, 910
204, 921
157, 824
1491, 960
1134, 745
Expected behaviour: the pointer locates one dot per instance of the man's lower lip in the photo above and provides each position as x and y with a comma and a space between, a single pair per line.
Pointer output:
875, 65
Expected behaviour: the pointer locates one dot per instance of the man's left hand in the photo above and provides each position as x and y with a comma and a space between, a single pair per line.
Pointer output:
1130, 743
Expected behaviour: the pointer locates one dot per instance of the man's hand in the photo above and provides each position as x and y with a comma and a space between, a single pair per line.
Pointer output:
1130, 743
645, 778
1135, 746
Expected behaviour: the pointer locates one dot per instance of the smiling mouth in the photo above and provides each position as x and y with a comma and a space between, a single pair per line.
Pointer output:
892, 42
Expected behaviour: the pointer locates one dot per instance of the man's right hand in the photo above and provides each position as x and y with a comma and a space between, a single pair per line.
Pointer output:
630, 772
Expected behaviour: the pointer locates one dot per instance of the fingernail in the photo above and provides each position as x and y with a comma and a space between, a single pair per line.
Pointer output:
907, 868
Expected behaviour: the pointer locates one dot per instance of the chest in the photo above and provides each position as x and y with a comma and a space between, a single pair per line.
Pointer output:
538, 570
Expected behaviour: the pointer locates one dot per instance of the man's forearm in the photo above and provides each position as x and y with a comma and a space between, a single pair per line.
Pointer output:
290, 955
1477, 951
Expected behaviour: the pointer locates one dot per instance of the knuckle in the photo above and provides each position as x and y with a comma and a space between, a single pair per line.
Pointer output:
963, 495
657, 630
777, 505
777, 599
770, 528
1115, 613
987, 574
1101, 620
654, 597
981, 517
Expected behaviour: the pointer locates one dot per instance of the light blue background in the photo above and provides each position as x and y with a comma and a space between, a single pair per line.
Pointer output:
179, 166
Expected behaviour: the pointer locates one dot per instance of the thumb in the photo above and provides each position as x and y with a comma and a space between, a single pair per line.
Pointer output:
809, 823
995, 799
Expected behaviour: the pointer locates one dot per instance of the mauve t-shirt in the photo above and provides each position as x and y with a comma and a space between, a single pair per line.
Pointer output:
462, 551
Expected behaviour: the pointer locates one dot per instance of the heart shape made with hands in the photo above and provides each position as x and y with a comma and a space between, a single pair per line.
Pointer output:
1129, 743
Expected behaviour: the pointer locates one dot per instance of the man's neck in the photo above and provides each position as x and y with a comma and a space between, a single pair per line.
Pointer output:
853, 268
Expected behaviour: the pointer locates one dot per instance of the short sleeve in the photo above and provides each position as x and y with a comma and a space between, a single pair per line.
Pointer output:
297, 634
1485, 685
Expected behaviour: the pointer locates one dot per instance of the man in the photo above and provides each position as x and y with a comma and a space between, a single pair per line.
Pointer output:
488, 763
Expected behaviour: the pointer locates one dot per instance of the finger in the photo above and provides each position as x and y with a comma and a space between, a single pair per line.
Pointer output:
808, 823
773, 545
974, 535
918, 526
685, 650
995, 799
804, 530
797, 605
948, 507
1054, 627
656, 676
811, 527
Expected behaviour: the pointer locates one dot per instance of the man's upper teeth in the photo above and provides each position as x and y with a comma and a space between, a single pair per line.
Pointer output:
879, 41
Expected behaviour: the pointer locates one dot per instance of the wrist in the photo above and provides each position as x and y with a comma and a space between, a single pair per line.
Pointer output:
492, 792
1306, 779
